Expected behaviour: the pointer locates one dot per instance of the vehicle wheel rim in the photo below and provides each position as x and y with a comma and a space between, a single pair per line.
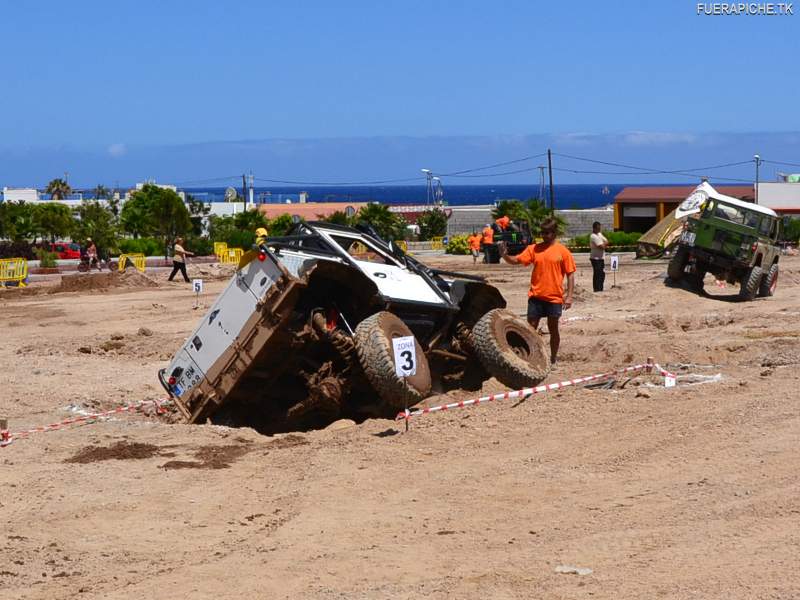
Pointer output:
518, 345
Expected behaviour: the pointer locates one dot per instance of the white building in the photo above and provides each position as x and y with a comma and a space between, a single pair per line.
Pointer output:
20, 194
783, 198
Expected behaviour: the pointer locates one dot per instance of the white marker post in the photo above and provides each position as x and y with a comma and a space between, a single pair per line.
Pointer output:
405, 360
197, 286
614, 267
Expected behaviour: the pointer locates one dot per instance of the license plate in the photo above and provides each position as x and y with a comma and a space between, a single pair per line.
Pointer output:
689, 237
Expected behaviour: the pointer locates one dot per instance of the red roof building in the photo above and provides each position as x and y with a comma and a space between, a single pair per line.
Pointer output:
639, 208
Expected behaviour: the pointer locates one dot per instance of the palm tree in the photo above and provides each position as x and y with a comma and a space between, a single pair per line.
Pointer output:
58, 189
101, 191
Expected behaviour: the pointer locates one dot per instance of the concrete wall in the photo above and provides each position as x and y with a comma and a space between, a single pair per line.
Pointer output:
466, 218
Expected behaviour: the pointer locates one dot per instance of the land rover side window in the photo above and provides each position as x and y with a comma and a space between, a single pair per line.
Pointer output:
729, 213
766, 226
361, 251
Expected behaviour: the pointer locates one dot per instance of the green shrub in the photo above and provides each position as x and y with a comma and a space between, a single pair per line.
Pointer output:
457, 244
239, 238
146, 245
616, 239
20, 249
201, 246
46, 259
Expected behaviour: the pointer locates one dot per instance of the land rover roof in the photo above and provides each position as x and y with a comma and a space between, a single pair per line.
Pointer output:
712, 193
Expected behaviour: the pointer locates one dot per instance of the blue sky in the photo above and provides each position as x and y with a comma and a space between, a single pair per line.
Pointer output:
358, 91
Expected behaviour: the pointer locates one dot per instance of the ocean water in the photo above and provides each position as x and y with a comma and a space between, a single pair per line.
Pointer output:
566, 195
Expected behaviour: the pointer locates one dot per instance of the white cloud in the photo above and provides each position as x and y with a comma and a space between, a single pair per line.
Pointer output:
117, 150
656, 138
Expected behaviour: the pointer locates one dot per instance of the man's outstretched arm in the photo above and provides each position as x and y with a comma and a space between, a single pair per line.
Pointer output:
512, 260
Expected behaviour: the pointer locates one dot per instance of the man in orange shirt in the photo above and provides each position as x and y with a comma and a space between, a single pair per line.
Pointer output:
474, 242
551, 263
503, 223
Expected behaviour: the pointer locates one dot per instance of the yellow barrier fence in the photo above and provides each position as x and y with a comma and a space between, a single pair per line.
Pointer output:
232, 255
137, 259
13, 270
437, 243
220, 248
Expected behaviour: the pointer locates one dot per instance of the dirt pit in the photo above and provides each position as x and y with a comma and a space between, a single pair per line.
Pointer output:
684, 492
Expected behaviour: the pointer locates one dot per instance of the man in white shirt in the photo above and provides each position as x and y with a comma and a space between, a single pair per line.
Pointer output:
598, 244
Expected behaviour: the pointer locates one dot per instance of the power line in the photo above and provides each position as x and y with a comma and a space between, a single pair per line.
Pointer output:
677, 173
776, 162
335, 183
654, 171
502, 164
183, 183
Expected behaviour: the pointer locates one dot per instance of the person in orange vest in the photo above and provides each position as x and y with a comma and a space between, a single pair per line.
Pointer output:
551, 262
474, 242
503, 223
488, 234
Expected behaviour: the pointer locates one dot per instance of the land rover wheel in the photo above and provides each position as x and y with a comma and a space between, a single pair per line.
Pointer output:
769, 283
750, 283
373, 339
510, 349
678, 264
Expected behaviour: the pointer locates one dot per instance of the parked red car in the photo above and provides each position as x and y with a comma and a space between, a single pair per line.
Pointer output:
64, 249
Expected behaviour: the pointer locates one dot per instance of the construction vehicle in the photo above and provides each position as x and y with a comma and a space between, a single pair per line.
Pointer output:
302, 335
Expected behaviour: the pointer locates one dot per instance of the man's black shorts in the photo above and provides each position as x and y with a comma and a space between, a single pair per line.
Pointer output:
538, 309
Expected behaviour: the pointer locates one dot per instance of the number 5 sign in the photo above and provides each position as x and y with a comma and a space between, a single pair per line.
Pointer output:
405, 356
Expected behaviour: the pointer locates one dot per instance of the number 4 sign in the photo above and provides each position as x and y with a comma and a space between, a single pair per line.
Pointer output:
405, 356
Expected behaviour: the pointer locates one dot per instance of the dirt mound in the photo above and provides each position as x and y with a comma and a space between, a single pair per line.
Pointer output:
213, 271
210, 457
102, 281
118, 451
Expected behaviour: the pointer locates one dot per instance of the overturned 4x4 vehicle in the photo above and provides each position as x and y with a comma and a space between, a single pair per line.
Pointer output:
736, 241
302, 335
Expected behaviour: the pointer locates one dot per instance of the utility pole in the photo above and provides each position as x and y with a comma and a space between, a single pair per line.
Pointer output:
550, 168
757, 158
244, 189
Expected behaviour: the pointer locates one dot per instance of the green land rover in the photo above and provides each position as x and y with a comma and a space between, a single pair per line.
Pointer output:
736, 241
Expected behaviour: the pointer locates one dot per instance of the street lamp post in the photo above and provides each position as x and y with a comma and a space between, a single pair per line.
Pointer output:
429, 176
758, 161
438, 192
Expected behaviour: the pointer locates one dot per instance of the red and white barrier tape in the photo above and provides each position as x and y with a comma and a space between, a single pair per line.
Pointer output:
523, 393
669, 378
7, 437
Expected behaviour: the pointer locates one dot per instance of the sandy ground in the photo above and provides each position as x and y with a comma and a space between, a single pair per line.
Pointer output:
688, 492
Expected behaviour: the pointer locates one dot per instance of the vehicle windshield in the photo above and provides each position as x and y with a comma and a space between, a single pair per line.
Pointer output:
361, 251
731, 213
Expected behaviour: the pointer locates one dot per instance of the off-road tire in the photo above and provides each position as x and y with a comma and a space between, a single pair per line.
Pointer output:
510, 349
750, 283
769, 282
697, 281
373, 339
677, 264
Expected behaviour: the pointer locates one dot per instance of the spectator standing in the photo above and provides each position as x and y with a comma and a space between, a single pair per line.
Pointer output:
474, 242
551, 263
488, 240
179, 259
91, 254
597, 256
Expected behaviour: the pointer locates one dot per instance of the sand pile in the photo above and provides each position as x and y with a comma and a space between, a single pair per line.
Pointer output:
102, 281
213, 271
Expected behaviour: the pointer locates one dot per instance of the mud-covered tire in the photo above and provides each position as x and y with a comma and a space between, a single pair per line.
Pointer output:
769, 283
750, 283
373, 339
677, 264
697, 281
510, 349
